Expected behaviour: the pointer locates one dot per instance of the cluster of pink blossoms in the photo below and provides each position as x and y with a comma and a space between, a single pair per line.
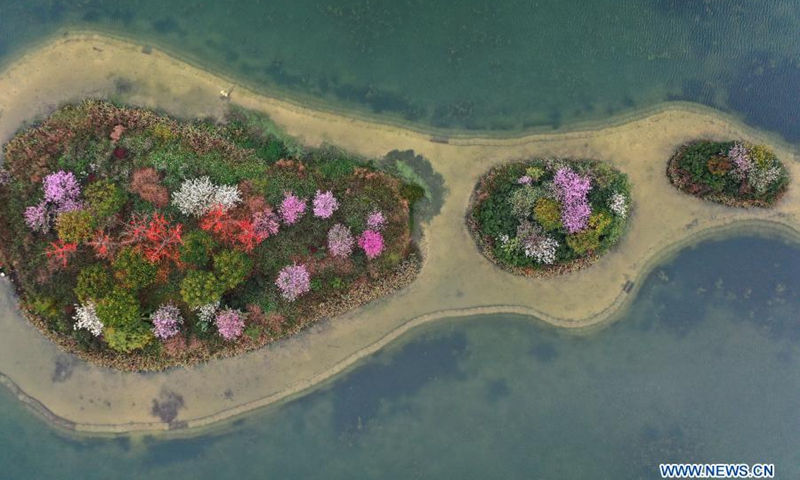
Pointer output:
230, 323
340, 241
571, 190
293, 281
37, 217
376, 220
61, 188
372, 243
61, 194
292, 208
166, 321
5, 176
740, 158
325, 204
266, 223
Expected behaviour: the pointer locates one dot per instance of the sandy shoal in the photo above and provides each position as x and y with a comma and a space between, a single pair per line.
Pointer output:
455, 280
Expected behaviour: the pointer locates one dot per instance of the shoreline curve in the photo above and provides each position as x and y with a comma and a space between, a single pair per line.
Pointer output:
455, 280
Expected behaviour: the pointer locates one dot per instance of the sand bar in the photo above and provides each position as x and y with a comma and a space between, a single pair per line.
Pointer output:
455, 280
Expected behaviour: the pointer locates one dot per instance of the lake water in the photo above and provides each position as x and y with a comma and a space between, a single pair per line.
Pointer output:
704, 368
469, 64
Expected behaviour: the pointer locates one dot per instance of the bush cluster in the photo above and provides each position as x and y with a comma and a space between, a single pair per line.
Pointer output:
549, 215
732, 173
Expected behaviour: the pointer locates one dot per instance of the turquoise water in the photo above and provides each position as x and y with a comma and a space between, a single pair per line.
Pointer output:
471, 64
704, 368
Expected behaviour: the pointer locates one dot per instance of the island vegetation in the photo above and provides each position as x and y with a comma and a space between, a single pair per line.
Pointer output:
731, 173
141, 242
548, 216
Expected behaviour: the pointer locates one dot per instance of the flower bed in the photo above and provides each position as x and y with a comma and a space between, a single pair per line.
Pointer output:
542, 217
140, 243
731, 173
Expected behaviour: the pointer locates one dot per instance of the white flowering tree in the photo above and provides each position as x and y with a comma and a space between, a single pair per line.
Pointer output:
618, 204
543, 249
197, 196
227, 196
206, 314
86, 319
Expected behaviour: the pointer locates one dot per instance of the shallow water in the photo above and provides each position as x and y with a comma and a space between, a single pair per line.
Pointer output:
703, 368
471, 64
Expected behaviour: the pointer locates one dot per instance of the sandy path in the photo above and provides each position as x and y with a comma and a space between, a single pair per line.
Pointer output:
456, 279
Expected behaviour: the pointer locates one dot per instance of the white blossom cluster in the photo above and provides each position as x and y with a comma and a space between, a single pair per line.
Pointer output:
227, 196
86, 318
206, 313
618, 204
761, 179
543, 249
507, 244
197, 196
535, 243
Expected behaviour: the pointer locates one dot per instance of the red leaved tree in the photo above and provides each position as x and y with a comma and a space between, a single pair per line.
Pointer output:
151, 234
61, 251
238, 233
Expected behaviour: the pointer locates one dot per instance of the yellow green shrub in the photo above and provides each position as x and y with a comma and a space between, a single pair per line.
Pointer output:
548, 213
76, 226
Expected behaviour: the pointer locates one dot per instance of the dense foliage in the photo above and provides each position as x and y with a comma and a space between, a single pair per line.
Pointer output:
549, 215
731, 173
143, 242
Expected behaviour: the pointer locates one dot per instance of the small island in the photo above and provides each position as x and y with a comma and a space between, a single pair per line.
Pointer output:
731, 173
549, 216
139, 242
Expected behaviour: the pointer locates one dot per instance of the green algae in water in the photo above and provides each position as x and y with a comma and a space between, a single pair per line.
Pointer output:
702, 369
469, 65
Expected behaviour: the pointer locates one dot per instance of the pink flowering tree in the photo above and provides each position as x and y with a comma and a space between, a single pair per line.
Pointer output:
38, 218
293, 281
572, 190
325, 204
340, 241
61, 194
230, 323
266, 223
5, 176
166, 321
61, 188
292, 208
376, 220
372, 243
740, 158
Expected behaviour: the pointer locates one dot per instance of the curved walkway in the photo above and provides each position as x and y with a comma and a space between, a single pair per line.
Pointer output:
455, 280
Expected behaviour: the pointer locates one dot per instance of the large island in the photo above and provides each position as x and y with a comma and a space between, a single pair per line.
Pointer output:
140, 242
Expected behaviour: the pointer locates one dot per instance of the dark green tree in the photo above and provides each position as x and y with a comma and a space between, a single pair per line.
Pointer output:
132, 270
200, 288
231, 268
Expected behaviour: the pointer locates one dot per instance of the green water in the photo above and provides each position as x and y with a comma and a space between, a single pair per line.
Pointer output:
704, 368
471, 64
